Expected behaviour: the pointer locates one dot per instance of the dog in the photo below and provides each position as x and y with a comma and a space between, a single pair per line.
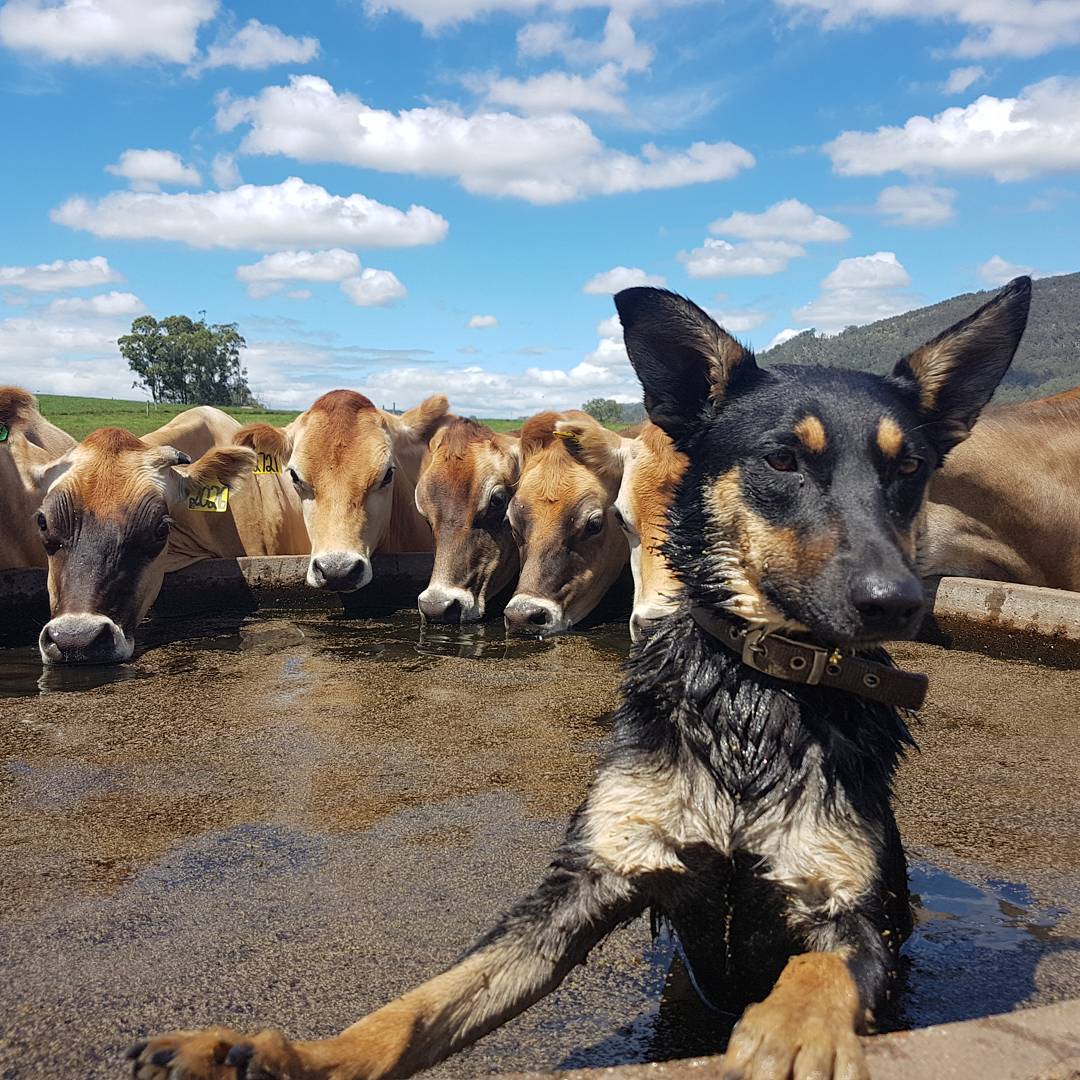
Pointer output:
746, 794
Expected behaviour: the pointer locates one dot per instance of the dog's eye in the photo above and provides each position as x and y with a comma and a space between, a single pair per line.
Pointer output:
782, 460
388, 477
909, 466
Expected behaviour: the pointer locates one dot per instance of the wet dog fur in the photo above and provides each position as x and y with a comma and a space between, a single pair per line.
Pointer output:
753, 814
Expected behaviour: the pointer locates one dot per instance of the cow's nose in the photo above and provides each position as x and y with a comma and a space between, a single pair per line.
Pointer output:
339, 572
439, 608
524, 616
887, 604
82, 639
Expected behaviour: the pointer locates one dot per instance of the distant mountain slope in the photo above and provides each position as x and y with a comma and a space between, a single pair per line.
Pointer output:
1047, 361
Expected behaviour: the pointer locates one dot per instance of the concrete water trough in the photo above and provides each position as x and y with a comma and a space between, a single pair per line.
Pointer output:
285, 813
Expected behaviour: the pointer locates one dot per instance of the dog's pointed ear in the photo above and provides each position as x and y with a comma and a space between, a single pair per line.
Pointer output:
957, 372
685, 361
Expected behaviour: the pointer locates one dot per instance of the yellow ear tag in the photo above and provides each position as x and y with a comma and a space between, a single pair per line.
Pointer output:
210, 498
267, 463
567, 436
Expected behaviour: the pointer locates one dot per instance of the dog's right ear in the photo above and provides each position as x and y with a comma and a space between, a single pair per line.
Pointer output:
686, 363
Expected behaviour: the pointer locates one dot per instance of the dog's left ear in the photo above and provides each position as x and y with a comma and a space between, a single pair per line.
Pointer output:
686, 363
958, 371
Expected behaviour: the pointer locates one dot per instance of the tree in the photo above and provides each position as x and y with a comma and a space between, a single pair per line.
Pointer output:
187, 362
605, 410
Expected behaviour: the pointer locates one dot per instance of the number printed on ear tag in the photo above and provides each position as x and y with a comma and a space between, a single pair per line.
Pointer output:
210, 498
4, 433
267, 463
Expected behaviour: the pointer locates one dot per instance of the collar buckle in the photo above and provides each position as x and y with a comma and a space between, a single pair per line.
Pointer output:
800, 661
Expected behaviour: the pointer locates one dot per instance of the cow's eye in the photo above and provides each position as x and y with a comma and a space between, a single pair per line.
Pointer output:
161, 531
498, 501
909, 466
594, 524
42, 523
388, 477
295, 477
782, 460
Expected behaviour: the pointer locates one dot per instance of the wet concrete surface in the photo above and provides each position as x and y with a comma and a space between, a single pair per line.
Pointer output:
287, 820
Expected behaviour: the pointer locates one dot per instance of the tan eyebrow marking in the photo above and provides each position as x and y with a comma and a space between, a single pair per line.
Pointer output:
890, 438
811, 433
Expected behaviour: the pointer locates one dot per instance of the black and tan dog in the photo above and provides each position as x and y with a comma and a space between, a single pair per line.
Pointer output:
746, 796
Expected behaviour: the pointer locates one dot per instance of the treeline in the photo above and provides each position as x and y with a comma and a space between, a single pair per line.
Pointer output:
1047, 362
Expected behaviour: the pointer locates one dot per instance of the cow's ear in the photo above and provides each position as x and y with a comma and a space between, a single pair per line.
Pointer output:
510, 445
265, 439
956, 373
686, 363
602, 451
423, 420
45, 470
17, 408
220, 466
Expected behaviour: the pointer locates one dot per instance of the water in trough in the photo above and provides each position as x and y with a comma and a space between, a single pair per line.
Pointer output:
289, 820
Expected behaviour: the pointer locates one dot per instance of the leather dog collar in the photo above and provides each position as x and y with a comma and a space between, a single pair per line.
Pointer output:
812, 665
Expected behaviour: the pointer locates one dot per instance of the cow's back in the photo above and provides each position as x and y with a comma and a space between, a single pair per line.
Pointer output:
1006, 505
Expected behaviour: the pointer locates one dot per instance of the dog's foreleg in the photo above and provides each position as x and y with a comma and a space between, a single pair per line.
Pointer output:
527, 954
808, 1025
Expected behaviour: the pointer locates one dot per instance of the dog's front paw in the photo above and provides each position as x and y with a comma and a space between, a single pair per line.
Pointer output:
791, 1040
221, 1054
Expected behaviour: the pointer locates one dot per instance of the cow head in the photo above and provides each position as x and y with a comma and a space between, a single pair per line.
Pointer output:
107, 510
464, 492
650, 479
563, 518
354, 467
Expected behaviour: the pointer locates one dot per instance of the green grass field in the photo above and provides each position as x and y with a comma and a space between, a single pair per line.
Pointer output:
78, 416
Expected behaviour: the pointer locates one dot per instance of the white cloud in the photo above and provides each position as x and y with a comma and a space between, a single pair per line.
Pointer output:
787, 220
753, 258
59, 275
62, 353
610, 328
917, 205
1023, 28
271, 272
541, 159
784, 335
481, 322
560, 91
110, 303
739, 321
225, 172
257, 45
1009, 138
373, 288
291, 213
998, 271
97, 31
962, 78
299, 294
147, 169
619, 44
619, 278
858, 291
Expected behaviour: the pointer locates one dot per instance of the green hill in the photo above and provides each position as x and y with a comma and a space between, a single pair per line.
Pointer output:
1047, 362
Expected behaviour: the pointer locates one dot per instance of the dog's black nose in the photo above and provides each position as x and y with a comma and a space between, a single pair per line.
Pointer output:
886, 603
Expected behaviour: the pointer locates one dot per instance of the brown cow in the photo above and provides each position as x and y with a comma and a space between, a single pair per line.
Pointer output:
27, 440
563, 517
1006, 504
96, 502
354, 468
107, 519
464, 490
652, 473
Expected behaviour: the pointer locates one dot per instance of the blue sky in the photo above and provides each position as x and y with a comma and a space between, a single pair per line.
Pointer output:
411, 196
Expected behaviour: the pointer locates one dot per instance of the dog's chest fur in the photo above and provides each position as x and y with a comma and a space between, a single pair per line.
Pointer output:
760, 809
